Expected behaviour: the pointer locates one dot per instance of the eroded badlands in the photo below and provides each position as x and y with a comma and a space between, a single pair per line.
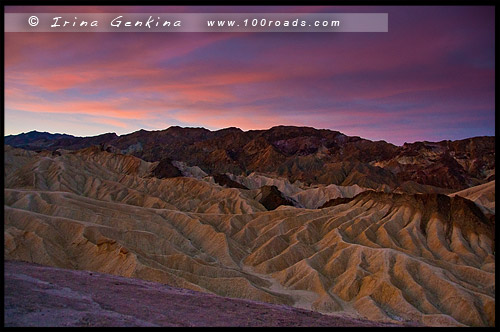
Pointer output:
427, 258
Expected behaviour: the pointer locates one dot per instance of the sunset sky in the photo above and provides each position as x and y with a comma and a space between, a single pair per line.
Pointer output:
431, 77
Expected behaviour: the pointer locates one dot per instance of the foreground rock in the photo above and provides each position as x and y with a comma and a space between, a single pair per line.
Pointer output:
38, 295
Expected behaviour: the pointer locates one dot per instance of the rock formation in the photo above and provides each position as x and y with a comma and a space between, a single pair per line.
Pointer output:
303, 154
378, 255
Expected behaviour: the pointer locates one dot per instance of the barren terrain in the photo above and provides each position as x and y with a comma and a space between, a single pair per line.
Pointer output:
389, 255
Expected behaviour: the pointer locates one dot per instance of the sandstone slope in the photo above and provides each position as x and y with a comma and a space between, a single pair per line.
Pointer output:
483, 195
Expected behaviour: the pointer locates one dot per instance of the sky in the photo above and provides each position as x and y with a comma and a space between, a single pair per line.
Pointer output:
430, 77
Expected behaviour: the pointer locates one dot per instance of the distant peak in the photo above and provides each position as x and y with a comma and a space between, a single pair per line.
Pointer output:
230, 129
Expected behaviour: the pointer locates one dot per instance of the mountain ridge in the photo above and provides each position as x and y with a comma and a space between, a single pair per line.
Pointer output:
38, 134
306, 154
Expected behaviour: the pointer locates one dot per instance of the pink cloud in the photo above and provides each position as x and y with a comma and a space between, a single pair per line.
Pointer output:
258, 80
118, 108
111, 122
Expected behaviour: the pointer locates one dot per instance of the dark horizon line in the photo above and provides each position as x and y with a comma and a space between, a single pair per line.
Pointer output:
250, 130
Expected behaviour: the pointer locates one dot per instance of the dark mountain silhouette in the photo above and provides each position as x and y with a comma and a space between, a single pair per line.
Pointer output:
312, 156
